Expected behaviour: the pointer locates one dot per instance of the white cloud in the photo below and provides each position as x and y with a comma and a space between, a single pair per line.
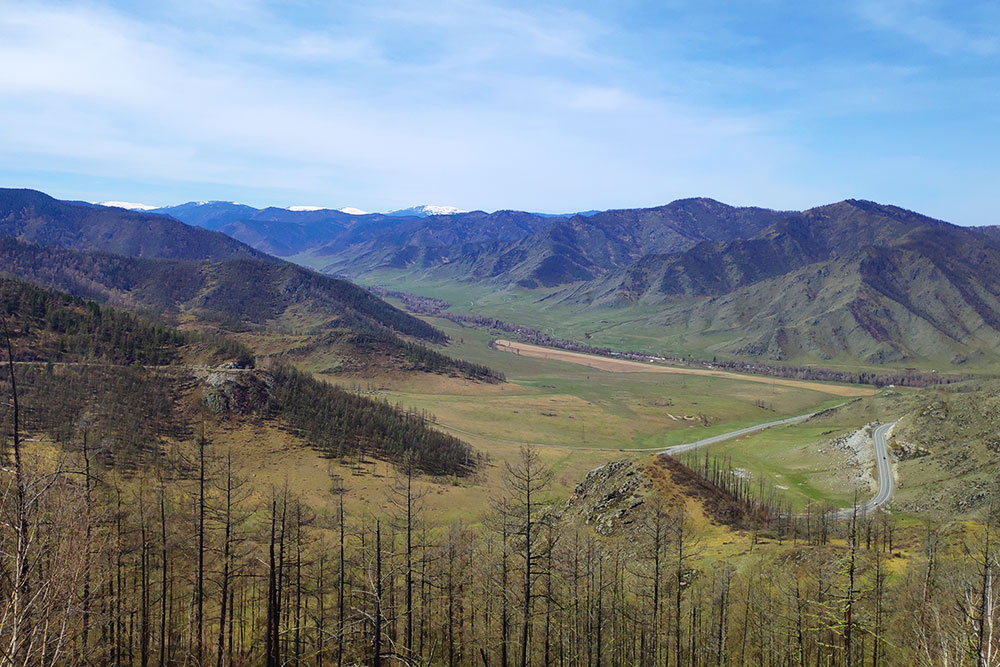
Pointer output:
468, 103
106, 94
927, 23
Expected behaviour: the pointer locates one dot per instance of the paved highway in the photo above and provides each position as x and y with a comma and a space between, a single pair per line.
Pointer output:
677, 449
884, 465
882, 462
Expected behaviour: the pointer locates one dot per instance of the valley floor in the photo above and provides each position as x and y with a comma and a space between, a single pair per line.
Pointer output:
581, 411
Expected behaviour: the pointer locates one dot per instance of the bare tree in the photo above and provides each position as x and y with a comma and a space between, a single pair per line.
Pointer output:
406, 502
523, 504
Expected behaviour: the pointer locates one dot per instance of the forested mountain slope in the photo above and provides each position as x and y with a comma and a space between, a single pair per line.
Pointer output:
235, 293
51, 326
131, 380
165, 268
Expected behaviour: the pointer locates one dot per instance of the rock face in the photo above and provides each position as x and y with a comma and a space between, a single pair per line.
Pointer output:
610, 496
904, 451
861, 448
237, 392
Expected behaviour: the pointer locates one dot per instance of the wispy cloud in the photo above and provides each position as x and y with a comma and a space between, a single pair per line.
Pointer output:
932, 24
109, 92
466, 102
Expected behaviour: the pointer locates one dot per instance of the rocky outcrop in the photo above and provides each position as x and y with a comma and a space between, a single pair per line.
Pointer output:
861, 448
231, 391
610, 496
904, 451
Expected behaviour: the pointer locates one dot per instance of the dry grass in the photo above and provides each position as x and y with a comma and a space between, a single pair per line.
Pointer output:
269, 457
627, 366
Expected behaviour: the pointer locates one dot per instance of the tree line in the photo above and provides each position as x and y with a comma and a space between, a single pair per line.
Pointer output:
52, 327
422, 358
344, 424
904, 378
193, 566
79, 329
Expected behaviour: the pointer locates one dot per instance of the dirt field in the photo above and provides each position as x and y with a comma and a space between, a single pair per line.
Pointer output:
626, 366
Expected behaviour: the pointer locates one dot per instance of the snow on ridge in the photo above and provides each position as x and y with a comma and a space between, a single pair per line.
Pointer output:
131, 206
426, 210
442, 210
350, 210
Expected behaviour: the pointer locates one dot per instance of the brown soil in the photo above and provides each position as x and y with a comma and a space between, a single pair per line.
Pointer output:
627, 366
674, 478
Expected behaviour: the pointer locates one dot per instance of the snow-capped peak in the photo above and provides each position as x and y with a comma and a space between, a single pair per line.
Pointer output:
126, 205
426, 210
347, 209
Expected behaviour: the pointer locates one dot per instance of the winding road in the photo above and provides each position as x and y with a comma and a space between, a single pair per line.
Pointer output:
884, 465
882, 462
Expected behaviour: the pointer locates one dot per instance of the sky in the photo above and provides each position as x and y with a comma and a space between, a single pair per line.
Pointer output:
541, 106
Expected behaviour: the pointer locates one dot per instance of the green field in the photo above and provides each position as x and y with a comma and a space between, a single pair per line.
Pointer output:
799, 457
573, 409
635, 327
552, 403
620, 328
793, 458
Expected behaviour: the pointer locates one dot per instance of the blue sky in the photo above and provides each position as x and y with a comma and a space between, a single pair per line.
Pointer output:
532, 105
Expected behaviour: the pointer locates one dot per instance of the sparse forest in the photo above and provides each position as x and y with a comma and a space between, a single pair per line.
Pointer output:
187, 566
179, 561
112, 552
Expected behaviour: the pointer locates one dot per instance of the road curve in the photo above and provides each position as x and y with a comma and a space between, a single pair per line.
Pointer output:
882, 462
884, 466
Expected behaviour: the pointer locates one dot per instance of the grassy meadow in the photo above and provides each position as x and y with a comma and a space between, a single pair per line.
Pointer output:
550, 403
799, 458
580, 417
633, 327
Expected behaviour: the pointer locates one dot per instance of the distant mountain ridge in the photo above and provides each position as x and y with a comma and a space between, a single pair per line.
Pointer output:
32, 216
294, 230
850, 280
424, 210
130, 206
162, 265
854, 280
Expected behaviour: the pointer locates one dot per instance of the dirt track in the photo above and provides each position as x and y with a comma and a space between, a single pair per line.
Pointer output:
627, 366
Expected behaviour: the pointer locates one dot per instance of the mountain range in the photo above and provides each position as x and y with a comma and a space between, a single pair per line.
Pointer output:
854, 280
212, 208
202, 279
